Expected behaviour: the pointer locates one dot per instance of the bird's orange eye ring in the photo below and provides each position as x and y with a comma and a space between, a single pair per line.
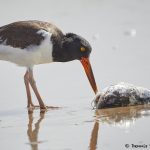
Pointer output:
82, 49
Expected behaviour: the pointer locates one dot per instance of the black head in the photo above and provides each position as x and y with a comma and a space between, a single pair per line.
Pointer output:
71, 47
76, 46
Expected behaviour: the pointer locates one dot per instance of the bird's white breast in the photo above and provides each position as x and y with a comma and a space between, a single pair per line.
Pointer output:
30, 56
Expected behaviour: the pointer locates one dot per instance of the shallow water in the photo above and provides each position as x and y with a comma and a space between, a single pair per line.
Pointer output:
118, 31
75, 128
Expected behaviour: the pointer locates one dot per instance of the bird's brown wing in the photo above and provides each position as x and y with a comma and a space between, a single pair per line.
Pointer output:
24, 33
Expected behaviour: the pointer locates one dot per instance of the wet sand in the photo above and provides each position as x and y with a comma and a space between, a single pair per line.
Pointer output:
118, 31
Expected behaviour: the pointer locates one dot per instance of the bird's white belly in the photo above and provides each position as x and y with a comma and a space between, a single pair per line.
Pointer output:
29, 56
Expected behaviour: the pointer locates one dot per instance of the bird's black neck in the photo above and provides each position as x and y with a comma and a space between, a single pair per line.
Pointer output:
60, 53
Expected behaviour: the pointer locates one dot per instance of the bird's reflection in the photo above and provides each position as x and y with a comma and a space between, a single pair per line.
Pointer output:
115, 116
32, 132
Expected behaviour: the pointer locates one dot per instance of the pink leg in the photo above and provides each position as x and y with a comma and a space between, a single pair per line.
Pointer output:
34, 87
26, 81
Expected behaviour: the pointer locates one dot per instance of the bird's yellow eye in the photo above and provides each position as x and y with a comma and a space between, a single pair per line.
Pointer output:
82, 49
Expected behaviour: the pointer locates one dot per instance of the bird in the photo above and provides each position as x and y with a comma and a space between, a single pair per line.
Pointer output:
122, 95
33, 42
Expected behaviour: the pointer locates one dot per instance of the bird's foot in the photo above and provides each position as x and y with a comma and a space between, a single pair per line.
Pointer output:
46, 108
30, 108
42, 108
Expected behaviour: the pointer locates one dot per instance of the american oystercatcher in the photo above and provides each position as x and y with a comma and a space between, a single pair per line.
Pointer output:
29, 43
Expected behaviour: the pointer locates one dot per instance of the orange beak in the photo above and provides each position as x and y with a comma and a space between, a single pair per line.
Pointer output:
88, 70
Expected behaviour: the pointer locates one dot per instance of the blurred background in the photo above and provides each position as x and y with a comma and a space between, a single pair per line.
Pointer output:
118, 31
